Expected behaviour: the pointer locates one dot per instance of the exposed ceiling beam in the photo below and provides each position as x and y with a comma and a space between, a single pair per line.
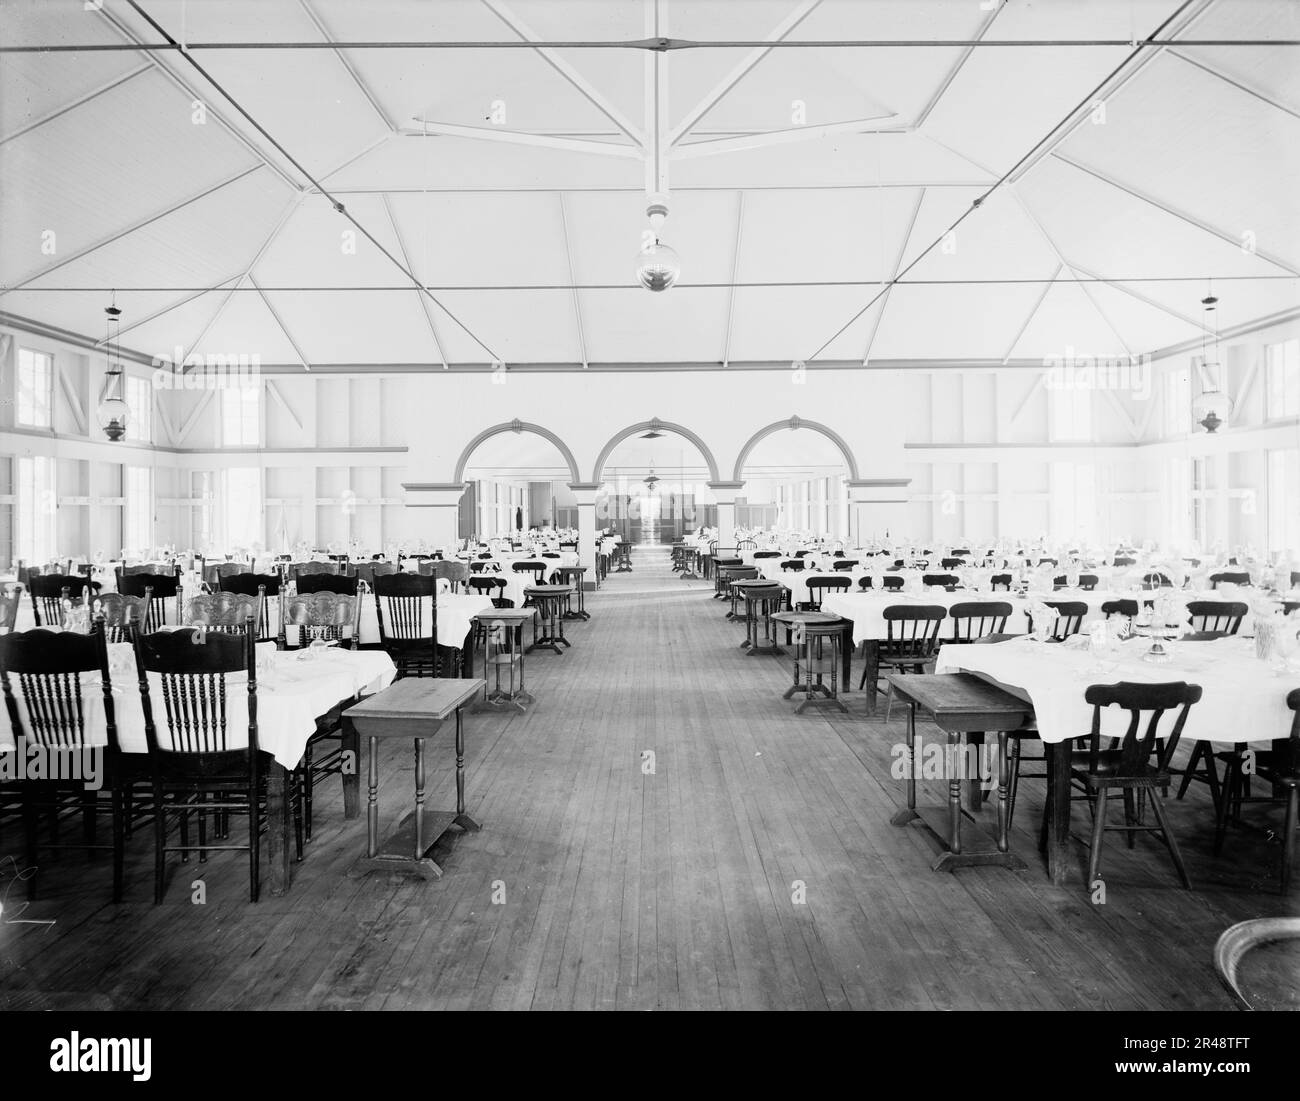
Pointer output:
378, 143
567, 71
283, 402
280, 321
782, 137
172, 306
347, 65
1124, 287
424, 302
80, 101
510, 190
898, 264
1143, 54
723, 87
568, 255
952, 73
1206, 67
656, 156
104, 242
521, 137
735, 271
1047, 288
163, 66
1182, 216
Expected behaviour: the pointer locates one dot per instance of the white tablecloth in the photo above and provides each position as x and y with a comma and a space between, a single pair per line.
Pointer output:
1243, 699
455, 614
288, 699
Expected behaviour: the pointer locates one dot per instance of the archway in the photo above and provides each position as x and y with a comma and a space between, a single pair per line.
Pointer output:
655, 479
794, 424
516, 476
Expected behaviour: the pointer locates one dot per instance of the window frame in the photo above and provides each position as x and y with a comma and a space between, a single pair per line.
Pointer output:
48, 359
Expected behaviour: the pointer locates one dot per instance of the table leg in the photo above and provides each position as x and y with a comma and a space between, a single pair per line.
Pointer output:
277, 827
419, 798
974, 784
954, 792
351, 744
871, 666
904, 816
372, 805
846, 655
1004, 845
1057, 811
462, 819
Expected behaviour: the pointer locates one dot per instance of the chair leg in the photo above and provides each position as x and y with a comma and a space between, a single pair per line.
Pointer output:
119, 840
307, 786
1231, 775
203, 829
159, 841
254, 842
1158, 805
1013, 781
31, 822
1288, 841
889, 701
1198, 751
1130, 817
1098, 832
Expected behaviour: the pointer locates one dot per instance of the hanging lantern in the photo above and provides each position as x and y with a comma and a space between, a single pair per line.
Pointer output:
1212, 407
657, 265
112, 396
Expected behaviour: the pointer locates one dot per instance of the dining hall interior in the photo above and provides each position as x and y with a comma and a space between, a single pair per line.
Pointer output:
650, 505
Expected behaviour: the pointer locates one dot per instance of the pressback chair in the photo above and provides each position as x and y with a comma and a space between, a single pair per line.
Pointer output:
1069, 618
49, 591
263, 586
1229, 576
911, 640
367, 572
407, 608
330, 617
224, 613
44, 670
9, 605
974, 619
1140, 763
455, 572
301, 569
816, 586
195, 761
1222, 616
160, 588
327, 583
121, 616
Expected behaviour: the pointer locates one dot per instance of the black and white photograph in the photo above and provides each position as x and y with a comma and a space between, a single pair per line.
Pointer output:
650, 506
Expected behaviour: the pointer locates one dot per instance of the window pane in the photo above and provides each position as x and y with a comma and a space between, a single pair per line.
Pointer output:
36, 510
35, 374
139, 401
240, 417
137, 533
241, 504
1282, 365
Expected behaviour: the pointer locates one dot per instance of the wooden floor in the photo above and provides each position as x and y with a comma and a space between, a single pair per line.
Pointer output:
636, 889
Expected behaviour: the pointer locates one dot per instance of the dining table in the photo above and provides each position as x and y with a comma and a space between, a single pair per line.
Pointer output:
294, 687
1243, 700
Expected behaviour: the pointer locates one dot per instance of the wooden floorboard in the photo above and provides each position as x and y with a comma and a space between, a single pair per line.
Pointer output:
672, 890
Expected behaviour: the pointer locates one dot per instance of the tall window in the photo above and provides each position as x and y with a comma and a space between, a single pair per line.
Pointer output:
1282, 368
1074, 501
1071, 415
240, 502
35, 378
139, 405
37, 509
137, 526
240, 416
1178, 401
1200, 502
1283, 495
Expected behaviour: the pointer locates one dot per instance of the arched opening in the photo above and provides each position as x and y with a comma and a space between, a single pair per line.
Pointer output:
517, 477
655, 484
796, 480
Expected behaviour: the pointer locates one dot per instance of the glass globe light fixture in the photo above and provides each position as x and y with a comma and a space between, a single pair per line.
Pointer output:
112, 410
657, 266
1212, 409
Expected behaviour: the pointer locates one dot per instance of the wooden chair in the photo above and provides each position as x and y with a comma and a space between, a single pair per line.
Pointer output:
1124, 607
1156, 580
1069, 618
974, 619
1130, 768
150, 568
331, 617
1121, 561
951, 563
455, 572
1229, 576
121, 617
194, 765
407, 609
816, 585
1277, 766
160, 588
303, 569
49, 591
766, 554
534, 566
1000, 581
1221, 616
746, 544
47, 667
9, 605
845, 564
489, 586
213, 574
365, 571
224, 613
912, 638
1087, 582
327, 583
940, 580
263, 586
793, 565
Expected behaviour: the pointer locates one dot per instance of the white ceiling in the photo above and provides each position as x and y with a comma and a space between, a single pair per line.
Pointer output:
235, 251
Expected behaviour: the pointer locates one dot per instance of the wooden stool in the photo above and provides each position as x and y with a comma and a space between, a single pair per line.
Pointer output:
548, 602
811, 631
503, 649
762, 598
572, 575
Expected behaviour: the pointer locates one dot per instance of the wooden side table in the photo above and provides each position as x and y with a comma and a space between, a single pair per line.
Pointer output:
412, 709
811, 632
548, 601
503, 649
958, 704
572, 575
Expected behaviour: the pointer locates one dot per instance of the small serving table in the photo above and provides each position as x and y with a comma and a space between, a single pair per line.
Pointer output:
413, 708
548, 601
503, 649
